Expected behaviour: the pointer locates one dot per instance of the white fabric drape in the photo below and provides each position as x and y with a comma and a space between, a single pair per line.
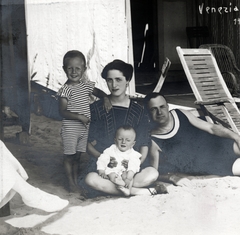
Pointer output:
10, 168
98, 28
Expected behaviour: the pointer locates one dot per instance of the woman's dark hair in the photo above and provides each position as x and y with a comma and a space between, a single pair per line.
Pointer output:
73, 54
125, 68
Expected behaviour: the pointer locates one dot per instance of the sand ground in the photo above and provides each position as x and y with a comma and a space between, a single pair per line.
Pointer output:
199, 206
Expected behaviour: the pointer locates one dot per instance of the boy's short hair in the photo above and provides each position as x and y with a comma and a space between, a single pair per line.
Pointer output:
126, 128
73, 54
125, 68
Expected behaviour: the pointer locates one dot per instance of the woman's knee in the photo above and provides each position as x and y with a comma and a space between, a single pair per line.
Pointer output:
146, 177
91, 178
152, 174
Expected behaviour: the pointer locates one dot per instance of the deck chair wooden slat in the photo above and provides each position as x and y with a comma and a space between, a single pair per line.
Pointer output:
209, 84
212, 94
208, 75
201, 60
202, 70
209, 87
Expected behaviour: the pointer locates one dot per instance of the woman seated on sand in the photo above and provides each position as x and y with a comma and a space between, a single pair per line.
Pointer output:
104, 125
13, 180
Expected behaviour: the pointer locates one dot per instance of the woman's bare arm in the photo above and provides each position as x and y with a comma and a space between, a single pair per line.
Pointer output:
92, 151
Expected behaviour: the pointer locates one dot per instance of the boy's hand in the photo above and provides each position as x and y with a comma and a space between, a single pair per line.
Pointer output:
102, 174
112, 163
125, 163
85, 120
107, 104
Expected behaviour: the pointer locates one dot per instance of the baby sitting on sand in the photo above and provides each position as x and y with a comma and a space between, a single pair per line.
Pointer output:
120, 151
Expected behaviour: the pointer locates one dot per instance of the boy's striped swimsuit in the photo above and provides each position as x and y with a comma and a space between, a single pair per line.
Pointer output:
74, 132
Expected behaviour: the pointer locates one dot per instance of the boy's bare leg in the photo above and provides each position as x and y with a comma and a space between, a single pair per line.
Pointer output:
75, 167
68, 166
116, 179
77, 188
124, 176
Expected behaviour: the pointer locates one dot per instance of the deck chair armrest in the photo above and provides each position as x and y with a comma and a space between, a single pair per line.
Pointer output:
236, 99
215, 101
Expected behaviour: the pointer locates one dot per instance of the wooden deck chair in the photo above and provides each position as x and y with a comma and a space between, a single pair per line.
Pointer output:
164, 71
158, 87
209, 87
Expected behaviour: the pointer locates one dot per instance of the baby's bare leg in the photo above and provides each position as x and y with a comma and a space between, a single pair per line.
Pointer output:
125, 190
124, 175
116, 179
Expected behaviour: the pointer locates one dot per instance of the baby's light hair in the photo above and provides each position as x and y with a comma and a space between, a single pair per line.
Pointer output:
126, 128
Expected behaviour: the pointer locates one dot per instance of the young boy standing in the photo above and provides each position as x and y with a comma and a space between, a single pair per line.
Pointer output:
75, 109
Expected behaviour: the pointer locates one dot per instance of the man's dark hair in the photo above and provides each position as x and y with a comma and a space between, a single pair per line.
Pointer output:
150, 96
125, 68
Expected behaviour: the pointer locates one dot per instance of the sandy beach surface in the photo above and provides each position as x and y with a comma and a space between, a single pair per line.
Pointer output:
200, 206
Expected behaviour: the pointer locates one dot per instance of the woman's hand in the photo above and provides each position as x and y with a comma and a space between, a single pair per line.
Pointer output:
112, 163
107, 104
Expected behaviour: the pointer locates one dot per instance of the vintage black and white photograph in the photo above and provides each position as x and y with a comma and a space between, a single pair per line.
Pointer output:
120, 117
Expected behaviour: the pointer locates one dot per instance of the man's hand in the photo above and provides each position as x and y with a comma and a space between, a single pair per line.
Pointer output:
112, 163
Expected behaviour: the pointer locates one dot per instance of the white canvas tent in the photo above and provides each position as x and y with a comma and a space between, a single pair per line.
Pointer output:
101, 29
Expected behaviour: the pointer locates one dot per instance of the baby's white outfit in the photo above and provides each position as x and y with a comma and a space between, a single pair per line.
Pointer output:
131, 155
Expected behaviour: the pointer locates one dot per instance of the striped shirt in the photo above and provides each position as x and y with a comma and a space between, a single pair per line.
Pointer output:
78, 97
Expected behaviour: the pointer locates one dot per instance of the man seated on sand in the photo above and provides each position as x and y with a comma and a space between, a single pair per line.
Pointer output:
13, 180
121, 150
184, 143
